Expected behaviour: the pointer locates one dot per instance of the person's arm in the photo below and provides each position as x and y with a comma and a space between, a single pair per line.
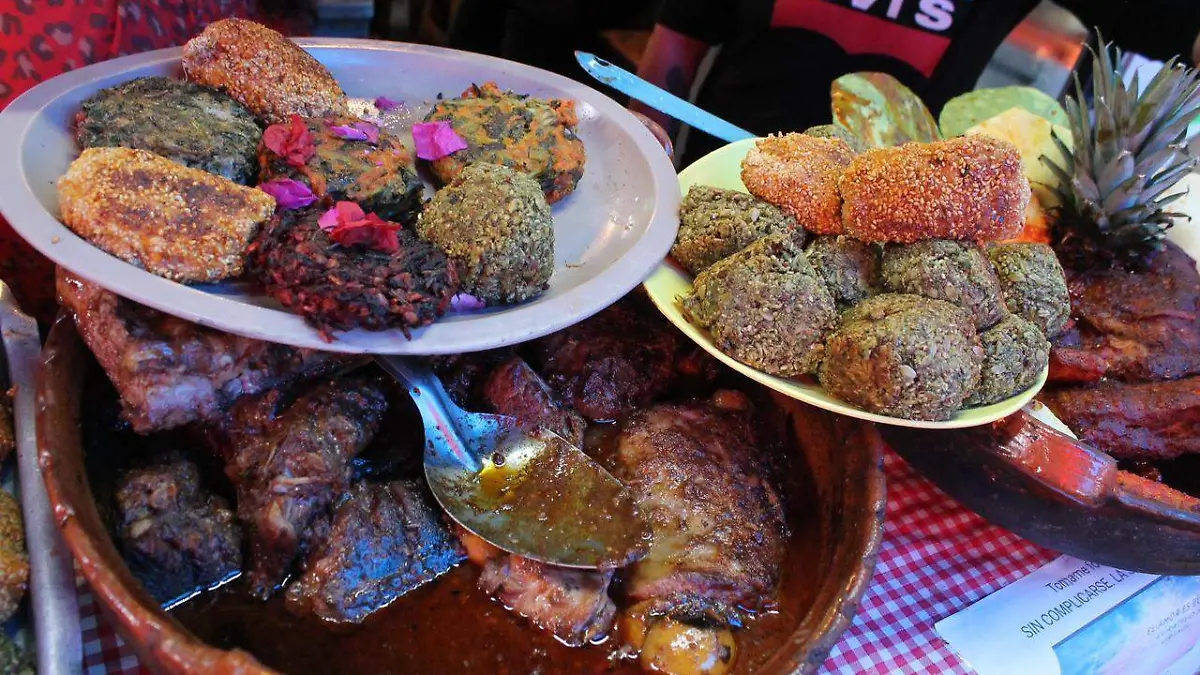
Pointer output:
671, 61
1158, 29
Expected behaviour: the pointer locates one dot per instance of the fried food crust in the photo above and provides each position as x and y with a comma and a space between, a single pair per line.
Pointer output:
180, 223
14, 563
262, 69
971, 188
530, 135
800, 173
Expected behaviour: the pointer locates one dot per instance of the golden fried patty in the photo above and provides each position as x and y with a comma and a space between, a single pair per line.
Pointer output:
180, 223
971, 187
263, 70
799, 173
534, 136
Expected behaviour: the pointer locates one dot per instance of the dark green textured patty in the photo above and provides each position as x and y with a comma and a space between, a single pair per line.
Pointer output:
193, 125
1015, 353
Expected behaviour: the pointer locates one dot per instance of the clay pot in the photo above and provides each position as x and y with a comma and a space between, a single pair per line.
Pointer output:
842, 460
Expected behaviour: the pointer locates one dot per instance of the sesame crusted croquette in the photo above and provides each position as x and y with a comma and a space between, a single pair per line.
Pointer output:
262, 69
970, 188
799, 173
180, 223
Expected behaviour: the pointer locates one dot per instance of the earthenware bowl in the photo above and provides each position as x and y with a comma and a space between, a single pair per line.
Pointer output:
839, 457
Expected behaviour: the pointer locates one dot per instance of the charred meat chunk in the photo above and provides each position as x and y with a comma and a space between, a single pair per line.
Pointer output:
1133, 327
170, 372
605, 367
385, 541
290, 466
193, 125
1149, 421
514, 389
177, 537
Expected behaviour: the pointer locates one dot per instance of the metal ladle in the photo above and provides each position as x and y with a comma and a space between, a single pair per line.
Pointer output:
530, 493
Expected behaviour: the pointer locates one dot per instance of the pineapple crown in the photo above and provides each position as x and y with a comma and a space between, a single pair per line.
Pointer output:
1129, 149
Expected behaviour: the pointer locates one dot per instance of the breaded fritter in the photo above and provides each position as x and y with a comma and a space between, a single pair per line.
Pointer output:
379, 176
799, 173
534, 136
14, 562
262, 69
972, 188
715, 223
180, 223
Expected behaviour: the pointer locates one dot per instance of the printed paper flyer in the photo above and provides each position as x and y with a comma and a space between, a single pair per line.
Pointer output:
1073, 617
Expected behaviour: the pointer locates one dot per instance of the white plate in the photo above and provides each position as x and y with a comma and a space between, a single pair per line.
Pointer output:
609, 234
722, 168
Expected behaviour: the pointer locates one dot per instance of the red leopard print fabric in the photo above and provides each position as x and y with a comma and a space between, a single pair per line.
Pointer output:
43, 38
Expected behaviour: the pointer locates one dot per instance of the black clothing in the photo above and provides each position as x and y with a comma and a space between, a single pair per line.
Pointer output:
779, 57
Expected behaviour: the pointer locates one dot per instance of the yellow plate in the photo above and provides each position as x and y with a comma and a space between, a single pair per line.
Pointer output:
722, 169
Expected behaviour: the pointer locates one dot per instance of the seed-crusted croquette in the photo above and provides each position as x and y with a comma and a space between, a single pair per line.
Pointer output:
716, 223
495, 224
849, 267
14, 562
1015, 354
262, 69
338, 287
377, 176
904, 356
180, 223
535, 136
957, 272
799, 173
972, 188
765, 307
1033, 284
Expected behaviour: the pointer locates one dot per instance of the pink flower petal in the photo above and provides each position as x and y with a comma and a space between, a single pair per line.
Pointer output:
435, 140
371, 131
465, 302
348, 133
288, 193
385, 104
329, 220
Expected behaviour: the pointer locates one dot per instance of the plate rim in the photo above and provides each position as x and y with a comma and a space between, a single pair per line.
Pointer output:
520, 323
979, 416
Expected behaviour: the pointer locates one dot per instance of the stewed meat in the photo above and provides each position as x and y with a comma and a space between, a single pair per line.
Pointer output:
514, 389
696, 472
177, 537
571, 604
605, 367
385, 541
290, 465
170, 372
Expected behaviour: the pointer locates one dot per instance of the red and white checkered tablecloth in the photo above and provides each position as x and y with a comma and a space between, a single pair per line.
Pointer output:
936, 559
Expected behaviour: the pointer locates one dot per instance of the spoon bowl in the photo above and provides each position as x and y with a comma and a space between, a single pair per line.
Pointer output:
526, 491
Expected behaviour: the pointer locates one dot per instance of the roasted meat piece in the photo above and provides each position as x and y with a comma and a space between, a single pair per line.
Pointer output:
1152, 420
291, 465
177, 537
385, 541
697, 475
573, 605
605, 367
1133, 327
170, 372
514, 389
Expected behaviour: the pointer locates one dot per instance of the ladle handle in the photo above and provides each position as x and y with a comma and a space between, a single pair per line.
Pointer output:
440, 415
